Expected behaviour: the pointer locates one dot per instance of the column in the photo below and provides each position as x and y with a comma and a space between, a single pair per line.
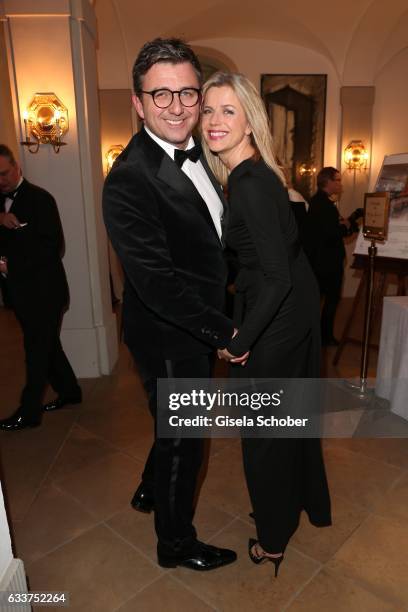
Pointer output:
51, 48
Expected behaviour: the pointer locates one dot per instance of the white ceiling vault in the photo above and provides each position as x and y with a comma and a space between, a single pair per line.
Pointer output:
358, 37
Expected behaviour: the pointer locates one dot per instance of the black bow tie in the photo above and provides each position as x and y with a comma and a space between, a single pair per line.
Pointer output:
193, 154
10, 194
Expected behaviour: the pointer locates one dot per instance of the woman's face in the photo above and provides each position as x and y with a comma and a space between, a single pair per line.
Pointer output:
224, 125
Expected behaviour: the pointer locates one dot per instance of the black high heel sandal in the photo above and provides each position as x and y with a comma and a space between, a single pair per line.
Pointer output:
257, 560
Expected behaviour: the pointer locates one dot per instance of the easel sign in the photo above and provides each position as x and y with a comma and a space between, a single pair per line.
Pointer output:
376, 214
393, 178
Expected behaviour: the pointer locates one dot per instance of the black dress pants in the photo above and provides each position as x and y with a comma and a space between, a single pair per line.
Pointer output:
330, 290
45, 358
173, 465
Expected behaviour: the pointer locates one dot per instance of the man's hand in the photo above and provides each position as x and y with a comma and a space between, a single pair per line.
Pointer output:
3, 266
225, 354
345, 222
9, 220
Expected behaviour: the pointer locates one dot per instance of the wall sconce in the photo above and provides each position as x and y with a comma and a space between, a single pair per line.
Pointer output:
307, 170
45, 122
111, 155
356, 156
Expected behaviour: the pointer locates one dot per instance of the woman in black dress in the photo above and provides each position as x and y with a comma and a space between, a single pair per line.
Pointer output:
279, 306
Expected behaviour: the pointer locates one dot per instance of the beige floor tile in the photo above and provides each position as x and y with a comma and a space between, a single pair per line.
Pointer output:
87, 386
322, 543
217, 445
376, 555
394, 504
117, 389
104, 487
138, 528
244, 585
167, 593
335, 593
52, 519
98, 569
358, 478
393, 451
102, 568
117, 421
142, 437
80, 449
209, 519
27, 456
224, 485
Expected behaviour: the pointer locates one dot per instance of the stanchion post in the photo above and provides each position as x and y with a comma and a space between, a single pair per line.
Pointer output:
372, 252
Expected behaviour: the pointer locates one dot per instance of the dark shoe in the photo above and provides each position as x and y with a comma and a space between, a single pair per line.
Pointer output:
142, 500
19, 420
330, 341
255, 559
202, 558
60, 402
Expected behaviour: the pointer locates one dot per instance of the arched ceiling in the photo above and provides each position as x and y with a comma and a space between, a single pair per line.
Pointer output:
357, 36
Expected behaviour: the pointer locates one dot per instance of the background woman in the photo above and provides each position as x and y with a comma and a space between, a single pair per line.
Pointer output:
277, 306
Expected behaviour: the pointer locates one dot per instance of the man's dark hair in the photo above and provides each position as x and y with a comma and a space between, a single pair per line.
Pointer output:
171, 50
8, 153
326, 174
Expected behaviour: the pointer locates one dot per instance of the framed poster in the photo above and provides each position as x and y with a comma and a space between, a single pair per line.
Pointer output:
296, 107
393, 178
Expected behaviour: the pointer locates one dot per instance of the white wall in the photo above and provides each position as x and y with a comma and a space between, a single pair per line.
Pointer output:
63, 45
6, 554
390, 118
254, 57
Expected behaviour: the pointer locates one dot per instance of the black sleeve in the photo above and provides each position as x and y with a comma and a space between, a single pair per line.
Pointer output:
325, 224
134, 225
42, 248
48, 227
258, 205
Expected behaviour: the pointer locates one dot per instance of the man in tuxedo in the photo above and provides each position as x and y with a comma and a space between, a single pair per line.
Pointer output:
325, 248
31, 242
164, 213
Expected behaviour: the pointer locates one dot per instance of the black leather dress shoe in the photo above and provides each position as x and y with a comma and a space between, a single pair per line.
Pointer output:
142, 500
60, 402
202, 558
20, 420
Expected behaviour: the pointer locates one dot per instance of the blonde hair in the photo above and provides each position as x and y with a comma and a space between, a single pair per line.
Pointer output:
254, 109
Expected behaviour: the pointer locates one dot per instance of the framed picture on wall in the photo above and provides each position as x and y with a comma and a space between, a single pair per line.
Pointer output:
296, 106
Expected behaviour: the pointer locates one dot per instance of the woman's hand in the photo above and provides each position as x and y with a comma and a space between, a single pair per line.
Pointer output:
225, 354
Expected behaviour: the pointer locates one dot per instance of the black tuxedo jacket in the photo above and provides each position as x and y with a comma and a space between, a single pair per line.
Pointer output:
324, 243
36, 278
172, 256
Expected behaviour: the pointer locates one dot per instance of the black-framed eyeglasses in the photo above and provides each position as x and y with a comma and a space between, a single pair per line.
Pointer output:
189, 96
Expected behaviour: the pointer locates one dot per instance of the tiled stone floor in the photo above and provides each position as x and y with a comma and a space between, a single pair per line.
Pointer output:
68, 486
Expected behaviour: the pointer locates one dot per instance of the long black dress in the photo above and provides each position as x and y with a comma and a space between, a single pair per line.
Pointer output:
278, 319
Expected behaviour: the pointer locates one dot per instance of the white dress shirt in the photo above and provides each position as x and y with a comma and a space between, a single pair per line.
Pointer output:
199, 177
9, 201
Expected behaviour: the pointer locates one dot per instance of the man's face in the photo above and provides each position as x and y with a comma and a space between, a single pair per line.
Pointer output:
333, 186
9, 175
175, 123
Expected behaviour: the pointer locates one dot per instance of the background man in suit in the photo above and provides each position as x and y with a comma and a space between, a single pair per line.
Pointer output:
324, 245
31, 242
164, 212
